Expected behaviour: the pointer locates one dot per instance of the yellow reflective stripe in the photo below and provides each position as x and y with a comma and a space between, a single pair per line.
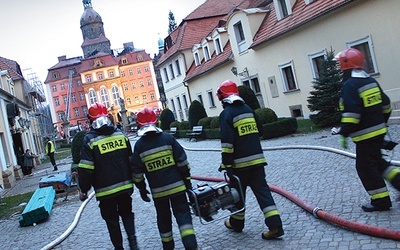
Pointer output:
227, 150
369, 135
350, 120
243, 121
86, 166
238, 216
187, 232
390, 176
110, 143
169, 192
114, 190
250, 163
380, 195
157, 155
167, 239
271, 213
137, 179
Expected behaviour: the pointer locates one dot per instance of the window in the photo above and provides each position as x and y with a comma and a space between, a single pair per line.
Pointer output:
140, 58
115, 95
138, 70
73, 98
211, 99
366, 47
92, 97
56, 101
316, 61
104, 97
122, 73
78, 83
152, 96
56, 75
146, 69
133, 85
172, 71
76, 111
196, 59
200, 99
166, 75
124, 61
144, 97
253, 84
99, 76
54, 87
111, 73
239, 35
84, 110
65, 99
81, 96
128, 100
88, 78
130, 72
178, 67
288, 78
136, 99
149, 82
218, 47
141, 84
206, 53
61, 116
62, 86
282, 10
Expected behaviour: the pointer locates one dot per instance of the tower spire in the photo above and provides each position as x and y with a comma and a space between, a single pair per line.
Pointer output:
87, 4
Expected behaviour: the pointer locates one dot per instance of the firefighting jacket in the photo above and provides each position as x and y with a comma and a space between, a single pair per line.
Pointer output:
105, 164
163, 161
365, 107
240, 137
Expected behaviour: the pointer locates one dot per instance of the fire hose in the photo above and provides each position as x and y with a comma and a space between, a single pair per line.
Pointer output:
314, 210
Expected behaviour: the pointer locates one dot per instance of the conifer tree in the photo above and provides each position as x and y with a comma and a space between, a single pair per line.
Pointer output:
196, 112
324, 99
171, 22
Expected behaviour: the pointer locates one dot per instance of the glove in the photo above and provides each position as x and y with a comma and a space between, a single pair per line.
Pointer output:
82, 196
188, 184
343, 142
144, 195
227, 168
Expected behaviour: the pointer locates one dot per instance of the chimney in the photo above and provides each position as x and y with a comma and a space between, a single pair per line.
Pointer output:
62, 58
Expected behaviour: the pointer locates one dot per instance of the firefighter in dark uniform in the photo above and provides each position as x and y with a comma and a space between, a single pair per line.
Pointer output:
365, 112
242, 156
159, 157
105, 166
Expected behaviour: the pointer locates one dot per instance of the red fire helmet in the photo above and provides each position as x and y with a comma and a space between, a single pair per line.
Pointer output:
226, 89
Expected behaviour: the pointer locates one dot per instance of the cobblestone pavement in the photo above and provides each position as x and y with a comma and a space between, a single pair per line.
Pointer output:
319, 178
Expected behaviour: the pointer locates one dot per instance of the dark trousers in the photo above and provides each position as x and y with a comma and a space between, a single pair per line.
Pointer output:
183, 217
113, 207
254, 177
52, 160
370, 165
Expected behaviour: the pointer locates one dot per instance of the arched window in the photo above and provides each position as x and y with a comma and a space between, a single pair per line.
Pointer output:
92, 97
104, 97
115, 94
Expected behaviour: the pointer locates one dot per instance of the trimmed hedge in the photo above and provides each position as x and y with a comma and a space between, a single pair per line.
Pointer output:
282, 127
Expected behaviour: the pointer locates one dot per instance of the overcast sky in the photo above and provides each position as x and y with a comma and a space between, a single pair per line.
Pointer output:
36, 32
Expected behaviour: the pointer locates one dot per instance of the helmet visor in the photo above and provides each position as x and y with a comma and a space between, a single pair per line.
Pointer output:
100, 122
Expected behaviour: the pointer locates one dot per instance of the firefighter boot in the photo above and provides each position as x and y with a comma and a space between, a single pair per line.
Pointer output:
129, 225
273, 233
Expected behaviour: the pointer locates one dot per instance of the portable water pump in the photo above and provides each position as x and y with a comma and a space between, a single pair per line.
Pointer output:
206, 200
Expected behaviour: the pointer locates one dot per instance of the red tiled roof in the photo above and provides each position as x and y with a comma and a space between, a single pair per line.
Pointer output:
301, 14
63, 68
199, 24
14, 70
106, 59
215, 61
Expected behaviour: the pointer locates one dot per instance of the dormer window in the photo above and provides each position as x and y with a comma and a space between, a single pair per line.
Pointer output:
239, 35
124, 61
140, 58
284, 7
56, 75
217, 44
97, 63
196, 59
206, 53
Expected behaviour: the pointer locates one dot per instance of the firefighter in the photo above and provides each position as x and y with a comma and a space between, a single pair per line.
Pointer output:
365, 112
162, 160
50, 152
105, 166
239, 129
